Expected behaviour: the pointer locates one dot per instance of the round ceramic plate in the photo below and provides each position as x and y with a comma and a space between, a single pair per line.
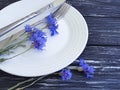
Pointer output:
60, 51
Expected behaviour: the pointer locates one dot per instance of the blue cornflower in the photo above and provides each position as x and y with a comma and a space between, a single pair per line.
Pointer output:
66, 74
53, 29
38, 38
51, 19
53, 26
82, 62
88, 70
28, 28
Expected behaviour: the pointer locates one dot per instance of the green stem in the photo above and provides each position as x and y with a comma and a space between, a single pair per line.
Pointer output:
19, 54
78, 68
10, 39
40, 78
4, 59
26, 81
20, 83
12, 46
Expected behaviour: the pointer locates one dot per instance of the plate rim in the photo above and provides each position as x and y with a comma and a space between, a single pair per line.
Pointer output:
73, 60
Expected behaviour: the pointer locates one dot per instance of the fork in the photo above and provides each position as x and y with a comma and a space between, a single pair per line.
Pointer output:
58, 15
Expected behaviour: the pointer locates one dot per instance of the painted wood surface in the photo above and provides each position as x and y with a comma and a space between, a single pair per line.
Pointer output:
102, 51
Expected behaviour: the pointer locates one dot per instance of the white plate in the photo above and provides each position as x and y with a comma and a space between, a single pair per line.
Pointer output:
60, 51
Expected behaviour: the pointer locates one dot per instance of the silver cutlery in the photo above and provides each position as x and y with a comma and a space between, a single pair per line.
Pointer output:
12, 26
58, 15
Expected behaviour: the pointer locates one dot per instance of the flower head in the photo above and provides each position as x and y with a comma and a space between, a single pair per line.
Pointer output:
37, 37
66, 74
51, 19
88, 70
53, 26
82, 62
28, 28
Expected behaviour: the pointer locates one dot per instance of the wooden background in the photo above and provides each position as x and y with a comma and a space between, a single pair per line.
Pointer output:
102, 51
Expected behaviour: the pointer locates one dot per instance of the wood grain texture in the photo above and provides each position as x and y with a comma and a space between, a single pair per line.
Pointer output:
97, 8
102, 51
103, 31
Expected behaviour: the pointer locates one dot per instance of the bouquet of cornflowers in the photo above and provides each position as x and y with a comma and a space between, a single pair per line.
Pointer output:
37, 37
38, 40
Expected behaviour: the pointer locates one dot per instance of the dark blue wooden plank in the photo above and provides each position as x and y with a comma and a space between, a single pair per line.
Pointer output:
97, 8
103, 31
